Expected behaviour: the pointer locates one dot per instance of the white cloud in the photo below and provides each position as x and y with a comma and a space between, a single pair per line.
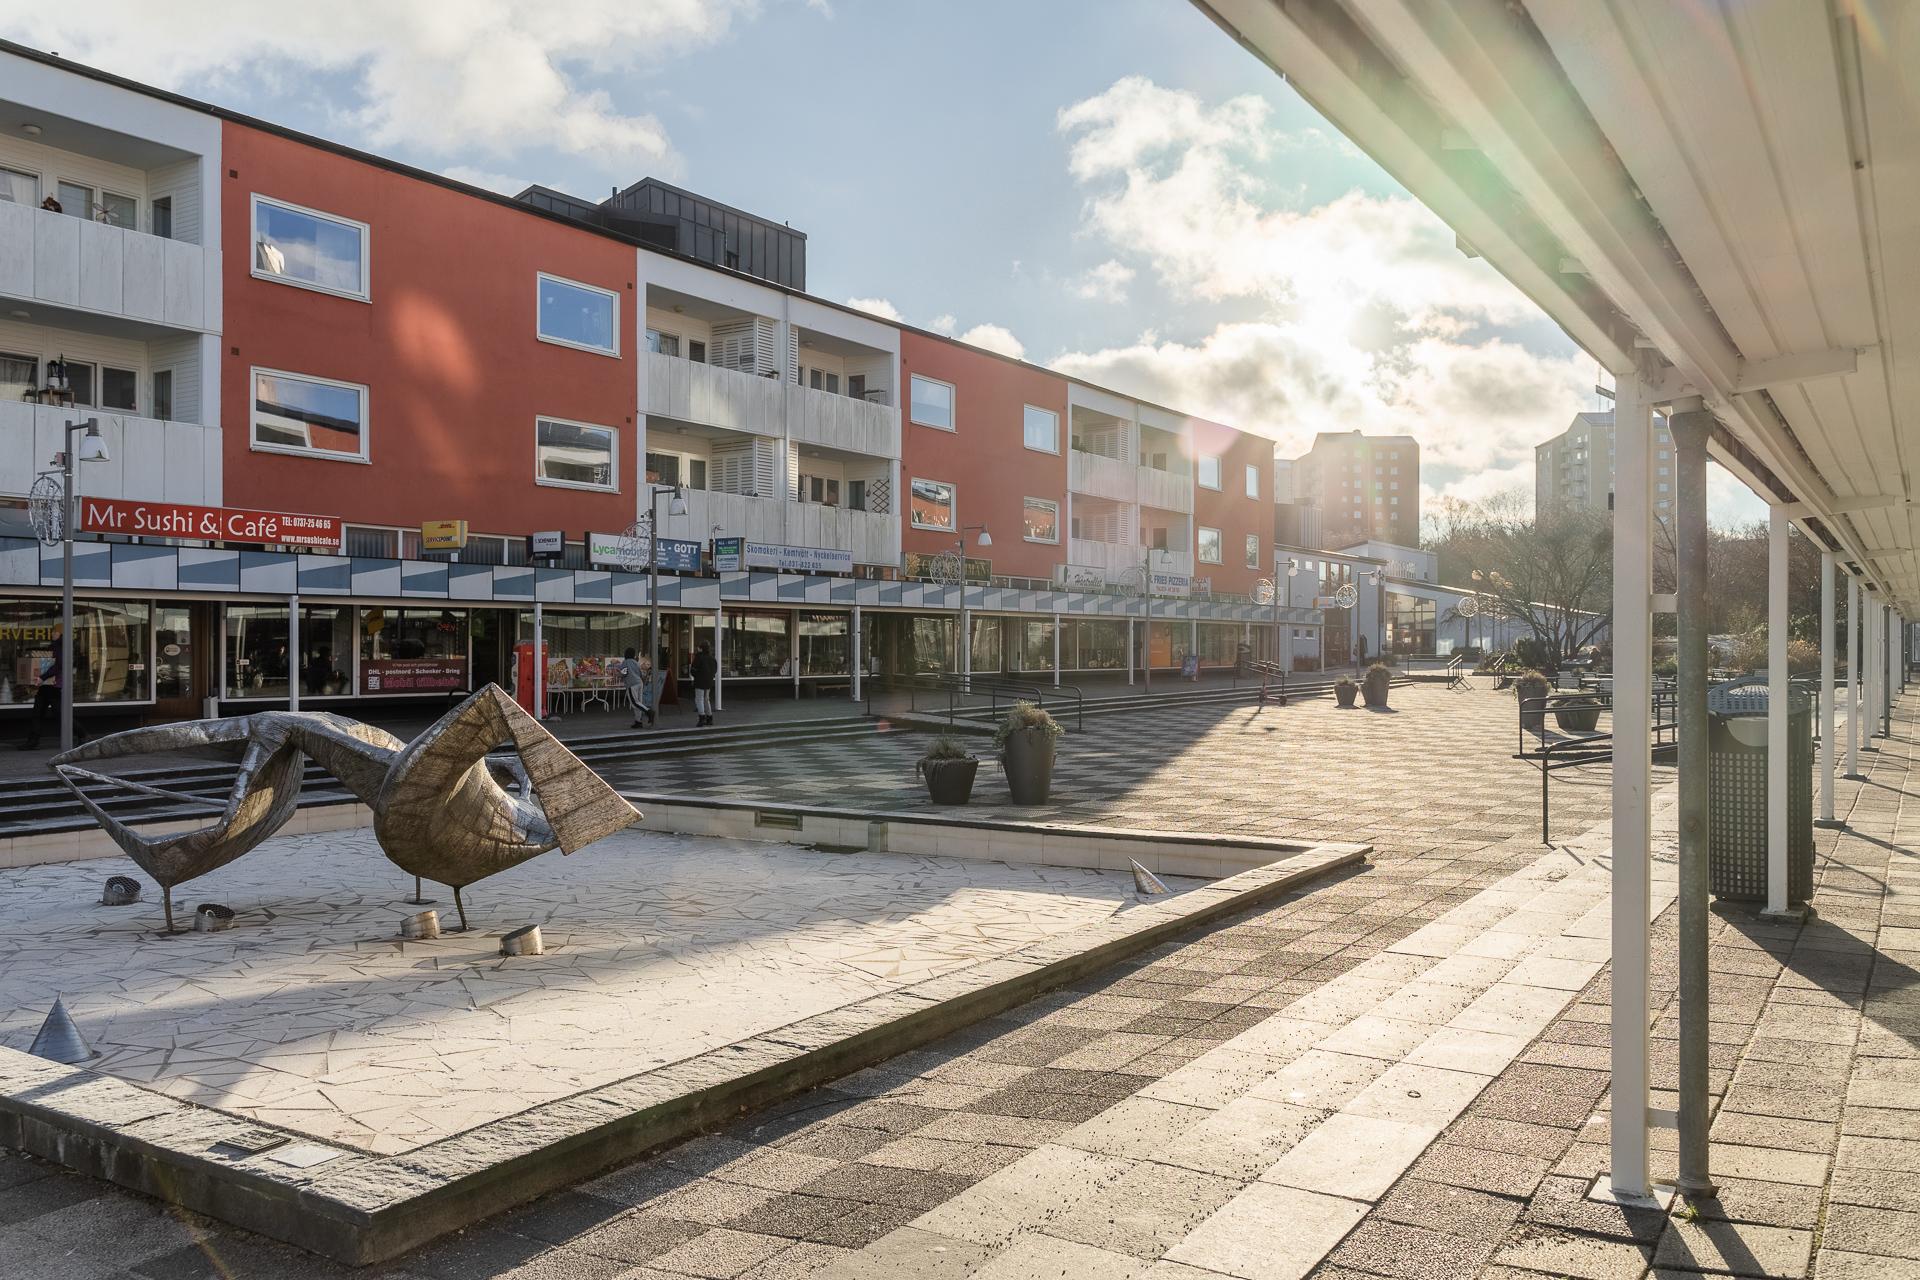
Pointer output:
944, 323
996, 338
877, 307
505, 184
1373, 318
495, 77
1105, 283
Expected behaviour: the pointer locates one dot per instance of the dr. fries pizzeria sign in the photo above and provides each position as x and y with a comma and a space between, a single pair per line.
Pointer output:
215, 524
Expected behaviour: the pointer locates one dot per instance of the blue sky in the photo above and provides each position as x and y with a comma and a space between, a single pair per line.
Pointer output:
1111, 187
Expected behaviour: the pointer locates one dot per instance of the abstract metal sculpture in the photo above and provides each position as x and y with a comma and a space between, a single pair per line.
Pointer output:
438, 811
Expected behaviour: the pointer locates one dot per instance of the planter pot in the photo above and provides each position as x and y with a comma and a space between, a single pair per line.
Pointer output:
1532, 718
1372, 699
1577, 717
950, 781
1028, 761
1343, 693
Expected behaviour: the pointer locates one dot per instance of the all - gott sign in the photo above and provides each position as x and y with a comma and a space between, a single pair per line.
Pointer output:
412, 675
729, 555
825, 560
619, 551
443, 535
214, 524
549, 544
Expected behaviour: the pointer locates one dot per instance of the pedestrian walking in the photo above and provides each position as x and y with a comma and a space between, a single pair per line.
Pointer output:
635, 681
46, 699
704, 671
649, 692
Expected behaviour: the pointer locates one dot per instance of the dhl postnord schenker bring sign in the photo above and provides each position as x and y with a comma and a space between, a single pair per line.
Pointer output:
216, 524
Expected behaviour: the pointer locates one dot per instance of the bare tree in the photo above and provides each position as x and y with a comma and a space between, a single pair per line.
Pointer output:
1554, 576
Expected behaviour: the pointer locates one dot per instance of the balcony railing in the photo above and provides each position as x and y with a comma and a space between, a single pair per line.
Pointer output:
66, 261
150, 460
842, 422
871, 538
719, 397
1166, 490
1099, 476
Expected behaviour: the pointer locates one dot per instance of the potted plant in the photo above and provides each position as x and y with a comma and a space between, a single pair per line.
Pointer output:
1532, 689
1025, 739
1343, 690
948, 771
1374, 685
1579, 713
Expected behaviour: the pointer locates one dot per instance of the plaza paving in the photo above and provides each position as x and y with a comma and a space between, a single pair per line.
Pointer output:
313, 1016
1345, 1083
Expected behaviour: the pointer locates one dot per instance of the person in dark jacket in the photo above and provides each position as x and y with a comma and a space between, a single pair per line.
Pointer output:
46, 699
704, 671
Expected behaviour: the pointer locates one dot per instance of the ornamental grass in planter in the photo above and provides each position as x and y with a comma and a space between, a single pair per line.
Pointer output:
1344, 690
1580, 714
1374, 685
1025, 739
948, 770
1532, 689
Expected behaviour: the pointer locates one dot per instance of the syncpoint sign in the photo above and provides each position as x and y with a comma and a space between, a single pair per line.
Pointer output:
215, 524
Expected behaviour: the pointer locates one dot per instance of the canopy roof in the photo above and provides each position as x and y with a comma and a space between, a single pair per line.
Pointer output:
1723, 197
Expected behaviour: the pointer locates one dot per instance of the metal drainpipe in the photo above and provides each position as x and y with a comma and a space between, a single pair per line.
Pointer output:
1690, 429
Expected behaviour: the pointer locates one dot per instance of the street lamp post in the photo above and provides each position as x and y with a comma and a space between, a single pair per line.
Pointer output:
677, 507
93, 448
963, 643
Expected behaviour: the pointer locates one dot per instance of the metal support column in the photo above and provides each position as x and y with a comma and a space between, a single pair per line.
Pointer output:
1632, 783
1691, 424
1869, 670
1129, 650
1828, 748
719, 664
539, 662
293, 651
1854, 665
1777, 685
857, 652
1893, 678
1056, 651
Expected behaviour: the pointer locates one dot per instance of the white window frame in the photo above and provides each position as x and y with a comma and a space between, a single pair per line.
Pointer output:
1054, 541
1200, 471
366, 249
953, 402
1253, 551
1253, 481
1025, 409
364, 457
539, 277
953, 505
1219, 545
614, 471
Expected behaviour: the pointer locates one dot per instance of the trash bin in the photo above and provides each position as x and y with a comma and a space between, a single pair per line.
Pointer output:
1737, 791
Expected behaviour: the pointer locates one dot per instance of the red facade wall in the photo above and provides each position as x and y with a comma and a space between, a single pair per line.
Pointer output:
446, 348
1229, 509
986, 458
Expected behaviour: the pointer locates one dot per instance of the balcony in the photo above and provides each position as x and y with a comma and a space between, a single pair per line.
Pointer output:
842, 422
871, 538
1164, 490
712, 396
152, 461
65, 261
1099, 476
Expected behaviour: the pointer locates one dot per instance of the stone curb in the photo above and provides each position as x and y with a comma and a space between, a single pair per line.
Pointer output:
358, 1208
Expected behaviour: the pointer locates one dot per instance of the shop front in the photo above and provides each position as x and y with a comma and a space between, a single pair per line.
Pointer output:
113, 652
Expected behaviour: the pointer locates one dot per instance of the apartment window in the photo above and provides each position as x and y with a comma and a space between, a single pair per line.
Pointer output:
821, 490
18, 375
1209, 545
74, 199
1253, 480
931, 403
1253, 551
163, 395
309, 249
575, 455
163, 217
119, 389
120, 211
19, 188
824, 380
696, 351
856, 495
1042, 429
1042, 520
78, 375
696, 473
1663, 487
295, 413
663, 468
578, 315
1209, 471
663, 344
932, 506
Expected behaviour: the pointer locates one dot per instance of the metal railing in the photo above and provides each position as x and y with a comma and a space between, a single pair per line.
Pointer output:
1589, 747
1456, 672
993, 688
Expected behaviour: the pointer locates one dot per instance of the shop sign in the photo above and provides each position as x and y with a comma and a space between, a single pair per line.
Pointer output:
927, 567
215, 524
1172, 584
620, 551
1326, 602
822, 560
729, 554
443, 535
412, 675
547, 544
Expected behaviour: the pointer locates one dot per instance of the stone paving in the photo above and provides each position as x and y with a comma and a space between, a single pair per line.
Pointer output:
313, 1016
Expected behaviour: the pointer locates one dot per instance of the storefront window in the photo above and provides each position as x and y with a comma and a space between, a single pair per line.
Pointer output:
1219, 643
1098, 646
1409, 623
173, 653
1036, 645
111, 644
257, 662
756, 645
823, 644
326, 651
985, 654
412, 650
930, 643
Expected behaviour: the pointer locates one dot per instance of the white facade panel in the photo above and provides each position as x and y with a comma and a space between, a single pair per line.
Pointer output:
56, 258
